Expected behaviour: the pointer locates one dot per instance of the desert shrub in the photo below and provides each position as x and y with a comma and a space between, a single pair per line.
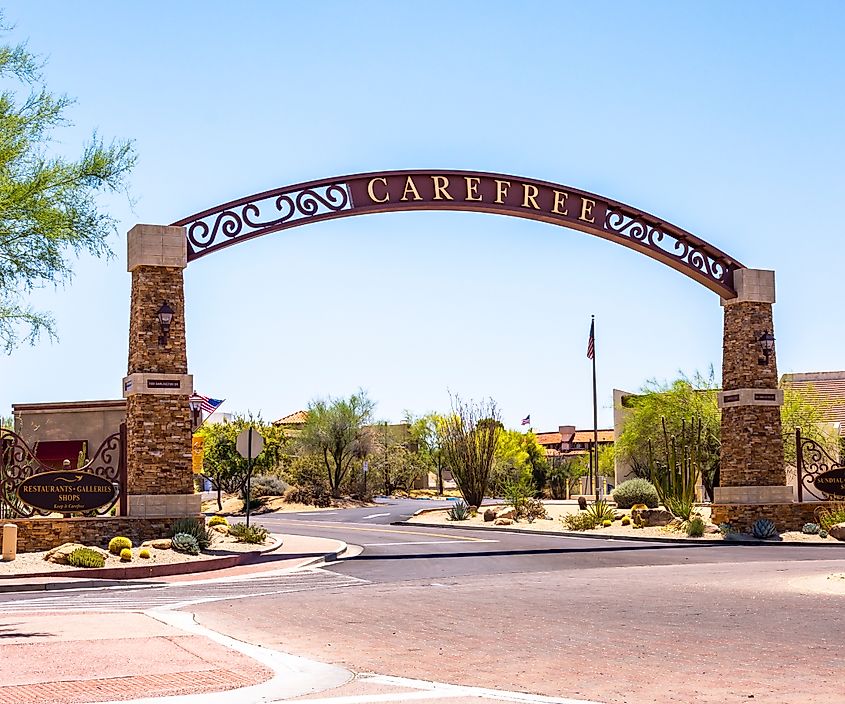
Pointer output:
810, 528
185, 542
217, 521
313, 495
636, 491
195, 527
827, 516
458, 512
601, 511
144, 554
119, 543
534, 509
763, 528
517, 492
126, 555
86, 557
266, 485
694, 527
579, 521
248, 534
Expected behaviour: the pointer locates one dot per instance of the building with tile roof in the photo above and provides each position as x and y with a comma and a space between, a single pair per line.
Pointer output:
825, 388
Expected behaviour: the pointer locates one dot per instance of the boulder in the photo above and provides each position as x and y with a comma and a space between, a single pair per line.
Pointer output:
508, 512
711, 529
837, 531
675, 524
221, 528
489, 515
157, 544
60, 554
582, 503
503, 522
649, 517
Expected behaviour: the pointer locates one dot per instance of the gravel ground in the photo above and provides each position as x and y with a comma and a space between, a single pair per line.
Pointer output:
34, 562
554, 524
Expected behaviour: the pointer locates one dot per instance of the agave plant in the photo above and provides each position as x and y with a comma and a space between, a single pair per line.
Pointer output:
600, 511
763, 528
458, 512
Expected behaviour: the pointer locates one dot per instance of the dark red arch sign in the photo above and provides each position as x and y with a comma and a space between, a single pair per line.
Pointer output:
394, 191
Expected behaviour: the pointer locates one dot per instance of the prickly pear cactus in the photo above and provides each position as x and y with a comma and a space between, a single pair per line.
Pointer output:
182, 542
763, 528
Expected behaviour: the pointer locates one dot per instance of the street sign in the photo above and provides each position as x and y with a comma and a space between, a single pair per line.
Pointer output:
242, 444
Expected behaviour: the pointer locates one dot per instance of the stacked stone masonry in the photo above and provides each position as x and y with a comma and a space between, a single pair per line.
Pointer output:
158, 425
752, 443
151, 287
785, 516
47, 533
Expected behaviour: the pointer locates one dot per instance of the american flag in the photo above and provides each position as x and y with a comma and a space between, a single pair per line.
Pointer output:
526, 420
591, 343
209, 405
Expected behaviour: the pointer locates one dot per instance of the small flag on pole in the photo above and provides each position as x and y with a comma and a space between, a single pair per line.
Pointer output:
591, 343
527, 420
209, 405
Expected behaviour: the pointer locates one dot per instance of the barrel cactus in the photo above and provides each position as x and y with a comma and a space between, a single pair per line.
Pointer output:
118, 544
763, 528
183, 542
86, 557
810, 528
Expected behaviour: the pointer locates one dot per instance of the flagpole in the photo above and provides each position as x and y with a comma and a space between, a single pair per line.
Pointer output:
595, 411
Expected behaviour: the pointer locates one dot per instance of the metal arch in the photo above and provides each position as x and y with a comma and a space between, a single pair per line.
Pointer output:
378, 192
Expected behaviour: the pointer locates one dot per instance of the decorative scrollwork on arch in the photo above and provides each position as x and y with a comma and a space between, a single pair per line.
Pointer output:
662, 239
264, 213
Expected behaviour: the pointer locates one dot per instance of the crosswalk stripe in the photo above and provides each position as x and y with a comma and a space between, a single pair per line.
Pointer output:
179, 594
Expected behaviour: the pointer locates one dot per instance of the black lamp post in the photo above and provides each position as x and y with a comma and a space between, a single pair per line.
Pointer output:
196, 406
165, 317
767, 345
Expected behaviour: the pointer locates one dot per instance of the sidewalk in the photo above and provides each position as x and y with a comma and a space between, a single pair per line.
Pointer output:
72, 657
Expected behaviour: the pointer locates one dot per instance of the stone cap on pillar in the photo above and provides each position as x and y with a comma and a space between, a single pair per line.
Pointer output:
156, 245
753, 286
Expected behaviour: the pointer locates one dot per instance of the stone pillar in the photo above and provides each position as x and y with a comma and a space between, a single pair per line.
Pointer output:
752, 463
157, 388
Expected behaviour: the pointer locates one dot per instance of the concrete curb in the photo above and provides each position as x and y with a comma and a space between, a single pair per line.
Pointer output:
112, 576
624, 538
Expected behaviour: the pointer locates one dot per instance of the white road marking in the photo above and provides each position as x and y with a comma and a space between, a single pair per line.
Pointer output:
419, 542
459, 690
375, 515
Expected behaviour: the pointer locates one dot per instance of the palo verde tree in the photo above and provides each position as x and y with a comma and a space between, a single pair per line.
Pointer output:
48, 204
469, 436
336, 431
426, 441
223, 464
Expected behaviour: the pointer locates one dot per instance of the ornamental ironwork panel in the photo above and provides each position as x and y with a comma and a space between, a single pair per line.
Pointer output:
819, 474
395, 191
18, 463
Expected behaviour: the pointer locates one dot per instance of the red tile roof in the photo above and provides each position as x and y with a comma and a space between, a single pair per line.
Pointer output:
828, 388
297, 418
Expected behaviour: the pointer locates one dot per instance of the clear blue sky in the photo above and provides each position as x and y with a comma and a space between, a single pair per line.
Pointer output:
724, 118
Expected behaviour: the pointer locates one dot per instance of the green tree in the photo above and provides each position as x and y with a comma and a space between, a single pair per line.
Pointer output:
519, 457
426, 437
336, 431
48, 204
221, 462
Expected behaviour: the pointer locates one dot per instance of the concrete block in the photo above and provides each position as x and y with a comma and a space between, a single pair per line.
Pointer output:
156, 245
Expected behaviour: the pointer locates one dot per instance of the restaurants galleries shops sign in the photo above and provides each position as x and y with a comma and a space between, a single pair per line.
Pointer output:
66, 491
394, 191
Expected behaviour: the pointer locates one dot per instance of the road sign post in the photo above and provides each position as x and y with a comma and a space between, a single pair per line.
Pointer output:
249, 444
